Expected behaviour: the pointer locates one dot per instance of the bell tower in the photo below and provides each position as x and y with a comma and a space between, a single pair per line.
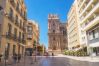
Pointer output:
53, 32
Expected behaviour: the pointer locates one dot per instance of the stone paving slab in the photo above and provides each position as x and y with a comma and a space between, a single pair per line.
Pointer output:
87, 58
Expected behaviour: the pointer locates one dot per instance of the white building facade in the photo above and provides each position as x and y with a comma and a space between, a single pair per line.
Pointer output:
88, 13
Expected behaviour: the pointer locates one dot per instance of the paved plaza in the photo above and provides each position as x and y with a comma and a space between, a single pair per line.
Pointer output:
52, 61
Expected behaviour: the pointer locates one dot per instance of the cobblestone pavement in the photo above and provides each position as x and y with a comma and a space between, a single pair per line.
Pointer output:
53, 61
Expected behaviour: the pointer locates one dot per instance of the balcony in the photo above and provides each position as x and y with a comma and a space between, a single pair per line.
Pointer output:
87, 5
11, 18
18, 10
15, 38
19, 40
9, 35
21, 27
24, 29
17, 24
23, 41
82, 4
91, 11
92, 22
24, 17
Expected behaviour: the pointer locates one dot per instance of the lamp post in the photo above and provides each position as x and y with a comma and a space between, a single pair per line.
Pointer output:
24, 56
1, 9
5, 56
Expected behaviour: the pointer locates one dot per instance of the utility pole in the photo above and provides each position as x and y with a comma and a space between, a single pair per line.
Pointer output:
5, 56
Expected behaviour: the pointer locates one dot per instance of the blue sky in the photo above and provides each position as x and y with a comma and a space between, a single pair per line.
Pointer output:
38, 10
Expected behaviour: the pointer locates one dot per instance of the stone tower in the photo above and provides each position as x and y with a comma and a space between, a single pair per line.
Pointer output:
57, 41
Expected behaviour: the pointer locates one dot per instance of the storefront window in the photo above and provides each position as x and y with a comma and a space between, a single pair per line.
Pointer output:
96, 33
90, 35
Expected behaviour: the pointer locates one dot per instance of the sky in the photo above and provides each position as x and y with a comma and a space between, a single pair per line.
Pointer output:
38, 10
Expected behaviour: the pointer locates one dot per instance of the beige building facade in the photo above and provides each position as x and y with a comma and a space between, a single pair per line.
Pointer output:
73, 29
32, 35
12, 27
57, 34
85, 25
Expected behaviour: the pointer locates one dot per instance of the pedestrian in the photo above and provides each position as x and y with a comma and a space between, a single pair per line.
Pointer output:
52, 54
15, 58
19, 57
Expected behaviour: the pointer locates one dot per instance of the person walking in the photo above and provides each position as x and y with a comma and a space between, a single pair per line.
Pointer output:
19, 58
52, 54
15, 58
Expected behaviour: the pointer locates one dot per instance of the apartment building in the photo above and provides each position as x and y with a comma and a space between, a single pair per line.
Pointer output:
89, 22
32, 35
12, 27
73, 29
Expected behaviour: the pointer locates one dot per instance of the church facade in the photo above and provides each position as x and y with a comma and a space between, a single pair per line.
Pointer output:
57, 34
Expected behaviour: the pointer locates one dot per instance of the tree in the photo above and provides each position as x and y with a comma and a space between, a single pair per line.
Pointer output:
34, 45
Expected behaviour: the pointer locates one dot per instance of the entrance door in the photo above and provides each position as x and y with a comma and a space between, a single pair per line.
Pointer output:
7, 49
97, 51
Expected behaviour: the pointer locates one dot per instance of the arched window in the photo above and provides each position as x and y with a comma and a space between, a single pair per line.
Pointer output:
54, 39
53, 31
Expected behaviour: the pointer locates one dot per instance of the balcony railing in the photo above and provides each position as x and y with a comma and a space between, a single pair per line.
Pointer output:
18, 10
94, 7
23, 41
91, 22
11, 18
19, 40
17, 24
87, 5
9, 35
15, 38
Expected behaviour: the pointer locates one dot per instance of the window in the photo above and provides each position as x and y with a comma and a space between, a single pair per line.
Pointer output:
0, 36
9, 28
24, 15
90, 36
53, 24
15, 33
17, 8
53, 38
64, 32
19, 35
96, 33
0, 28
16, 21
53, 31
14, 47
0, 42
20, 23
93, 34
1, 8
21, 12
11, 14
7, 50
23, 36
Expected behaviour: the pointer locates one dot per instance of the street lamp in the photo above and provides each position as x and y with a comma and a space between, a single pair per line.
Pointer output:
24, 56
5, 54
